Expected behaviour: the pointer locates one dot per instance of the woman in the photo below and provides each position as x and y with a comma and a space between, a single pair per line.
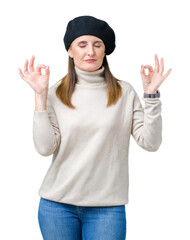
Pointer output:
85, 121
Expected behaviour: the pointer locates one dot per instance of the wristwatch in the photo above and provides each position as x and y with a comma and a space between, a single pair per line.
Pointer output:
152, 95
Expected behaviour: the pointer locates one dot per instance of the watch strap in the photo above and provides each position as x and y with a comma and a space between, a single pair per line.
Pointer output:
152, 95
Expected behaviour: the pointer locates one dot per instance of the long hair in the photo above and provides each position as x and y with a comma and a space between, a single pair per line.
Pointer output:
66, 87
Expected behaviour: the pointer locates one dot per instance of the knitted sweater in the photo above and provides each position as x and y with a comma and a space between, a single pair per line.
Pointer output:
90, 143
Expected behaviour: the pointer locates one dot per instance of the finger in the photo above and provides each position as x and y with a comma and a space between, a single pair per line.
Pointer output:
31, 65
150, 68
166, 74
47, 70
142, 71
39, 67
161, 66
26, 67
21, 74
156, 69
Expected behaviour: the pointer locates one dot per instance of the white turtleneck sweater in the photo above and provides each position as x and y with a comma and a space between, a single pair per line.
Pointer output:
90, 143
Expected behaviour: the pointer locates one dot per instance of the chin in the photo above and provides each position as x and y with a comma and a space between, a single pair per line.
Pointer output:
90, 67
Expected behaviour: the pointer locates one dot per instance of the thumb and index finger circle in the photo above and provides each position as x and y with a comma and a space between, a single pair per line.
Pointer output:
150, 68
39, 68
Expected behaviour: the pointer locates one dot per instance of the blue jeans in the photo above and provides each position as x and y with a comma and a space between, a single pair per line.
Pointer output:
60, 221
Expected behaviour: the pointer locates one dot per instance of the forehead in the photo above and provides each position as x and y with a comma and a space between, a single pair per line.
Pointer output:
87, 38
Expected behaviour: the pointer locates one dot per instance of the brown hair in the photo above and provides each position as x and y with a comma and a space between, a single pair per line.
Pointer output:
66, 87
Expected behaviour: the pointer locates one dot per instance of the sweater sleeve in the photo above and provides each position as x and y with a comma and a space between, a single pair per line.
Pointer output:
147, 123
46, 134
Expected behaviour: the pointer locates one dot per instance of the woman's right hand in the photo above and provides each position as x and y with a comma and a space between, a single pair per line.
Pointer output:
35, 78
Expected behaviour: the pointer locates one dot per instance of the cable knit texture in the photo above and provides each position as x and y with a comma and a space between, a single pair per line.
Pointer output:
89, 145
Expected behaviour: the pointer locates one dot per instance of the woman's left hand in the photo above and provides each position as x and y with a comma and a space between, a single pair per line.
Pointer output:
154, 79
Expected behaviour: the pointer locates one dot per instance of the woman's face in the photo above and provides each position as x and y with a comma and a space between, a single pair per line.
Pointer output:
87, 52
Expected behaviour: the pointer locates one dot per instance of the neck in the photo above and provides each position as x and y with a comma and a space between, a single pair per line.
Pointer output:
94, 78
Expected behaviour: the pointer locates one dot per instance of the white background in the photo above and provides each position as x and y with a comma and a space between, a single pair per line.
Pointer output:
159, 199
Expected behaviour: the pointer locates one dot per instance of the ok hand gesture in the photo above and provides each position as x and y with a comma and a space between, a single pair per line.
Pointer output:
35, 78
154, 79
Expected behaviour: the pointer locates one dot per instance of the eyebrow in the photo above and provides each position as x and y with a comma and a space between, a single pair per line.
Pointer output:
86, 42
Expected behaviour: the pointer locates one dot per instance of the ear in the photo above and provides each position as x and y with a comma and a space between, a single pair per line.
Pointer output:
70, 52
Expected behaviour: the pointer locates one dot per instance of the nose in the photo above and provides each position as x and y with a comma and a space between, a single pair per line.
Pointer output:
91, 51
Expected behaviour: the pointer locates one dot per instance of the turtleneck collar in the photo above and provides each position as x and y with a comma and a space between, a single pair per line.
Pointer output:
90, 79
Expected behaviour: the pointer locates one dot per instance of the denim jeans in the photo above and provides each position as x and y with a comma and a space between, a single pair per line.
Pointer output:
60, 221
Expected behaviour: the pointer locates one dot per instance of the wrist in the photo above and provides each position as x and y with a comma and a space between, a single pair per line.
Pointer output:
147, 91
152, 95
40, 101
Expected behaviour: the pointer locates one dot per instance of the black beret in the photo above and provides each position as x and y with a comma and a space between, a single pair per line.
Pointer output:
88, 25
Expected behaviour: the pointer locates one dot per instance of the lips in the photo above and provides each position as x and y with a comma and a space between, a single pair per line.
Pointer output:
90, 60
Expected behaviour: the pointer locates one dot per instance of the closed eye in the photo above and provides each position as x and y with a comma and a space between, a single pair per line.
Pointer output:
85, 46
